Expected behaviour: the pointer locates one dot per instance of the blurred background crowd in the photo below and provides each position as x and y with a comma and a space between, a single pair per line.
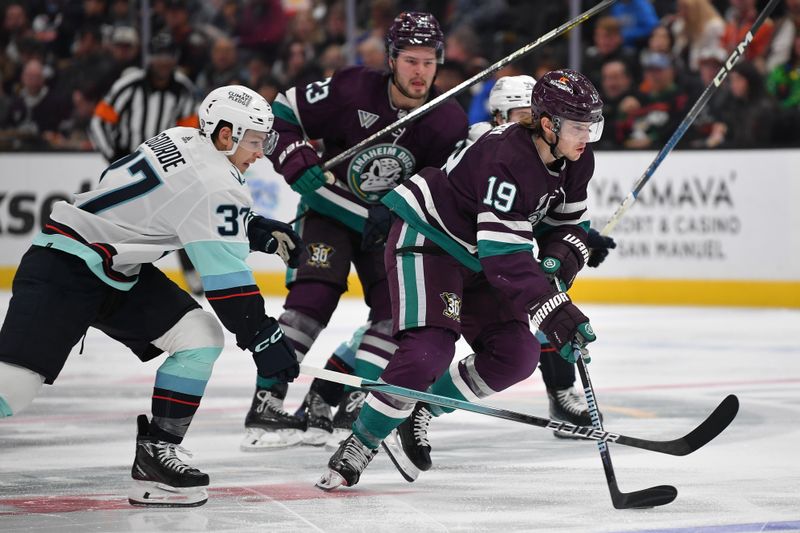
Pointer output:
63, 62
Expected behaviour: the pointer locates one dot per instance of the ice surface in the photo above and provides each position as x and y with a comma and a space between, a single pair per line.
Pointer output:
658, 371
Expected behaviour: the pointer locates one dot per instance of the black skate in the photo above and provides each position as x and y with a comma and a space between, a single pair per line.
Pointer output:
319, 425
346, 464
408, 446
268, 426
346, 414
568, 405
161, 479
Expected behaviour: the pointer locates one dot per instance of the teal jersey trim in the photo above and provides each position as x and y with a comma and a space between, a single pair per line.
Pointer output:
93, 261
325, 207
221, 264
543, 228
5, 409
493, 248
284, 113
397, 203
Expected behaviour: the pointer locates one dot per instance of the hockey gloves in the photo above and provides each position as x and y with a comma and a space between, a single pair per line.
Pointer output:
563, 254
310, 180
274, 237
565, 326
376, 228
599, 247
273, 353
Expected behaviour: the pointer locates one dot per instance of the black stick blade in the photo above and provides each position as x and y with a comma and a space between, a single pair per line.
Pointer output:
712, 426
645, 498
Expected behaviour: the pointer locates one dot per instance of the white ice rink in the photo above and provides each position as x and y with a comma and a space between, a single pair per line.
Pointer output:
65, 463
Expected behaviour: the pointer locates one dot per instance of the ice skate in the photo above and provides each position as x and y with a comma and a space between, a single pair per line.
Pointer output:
408, 446
268, 426
346, 414
319, 425
161, 478
346, 464
568, 405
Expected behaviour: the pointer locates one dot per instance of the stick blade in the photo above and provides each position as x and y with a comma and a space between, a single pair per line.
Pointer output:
645, 498
712, 426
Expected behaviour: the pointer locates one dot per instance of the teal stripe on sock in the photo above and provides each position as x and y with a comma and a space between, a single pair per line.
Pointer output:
367, 370
196, 363
265, 383
371, 426
5, 409
195, 387
444, 386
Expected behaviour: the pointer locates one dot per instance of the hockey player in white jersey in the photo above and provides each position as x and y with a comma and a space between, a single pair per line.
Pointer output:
92, 266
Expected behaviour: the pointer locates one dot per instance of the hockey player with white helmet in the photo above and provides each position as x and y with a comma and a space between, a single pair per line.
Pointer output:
92, 266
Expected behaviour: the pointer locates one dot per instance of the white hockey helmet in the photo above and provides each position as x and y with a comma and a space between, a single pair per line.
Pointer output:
510, 92
244, 108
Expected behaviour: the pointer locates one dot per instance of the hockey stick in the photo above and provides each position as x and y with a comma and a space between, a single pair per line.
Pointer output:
712, 426
737, 54
464, 85
650, 497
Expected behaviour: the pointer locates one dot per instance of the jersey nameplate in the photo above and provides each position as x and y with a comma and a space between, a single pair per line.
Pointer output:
165, 151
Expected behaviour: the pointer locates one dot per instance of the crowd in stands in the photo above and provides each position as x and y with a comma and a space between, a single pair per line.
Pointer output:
650, 59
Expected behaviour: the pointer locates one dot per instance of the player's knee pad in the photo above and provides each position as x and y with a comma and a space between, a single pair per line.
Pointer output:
194, 343
301, 329
18, 387
512, 352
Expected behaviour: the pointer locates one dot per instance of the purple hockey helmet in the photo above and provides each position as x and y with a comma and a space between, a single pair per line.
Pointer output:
415, 28
567, 97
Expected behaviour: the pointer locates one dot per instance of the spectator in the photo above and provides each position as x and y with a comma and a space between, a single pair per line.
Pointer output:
124, 52
656, 111
372, 53
16, 26
331, 59
90, 61
35, 110
192, 44
223, 69
72, 133
709, 63
698, 26
226, 19
607, 38
739, 19
261, 27
784, 84
449, 75
637, 18
462, 45
616, 85
786, 29
746, 119
295, 60
268, 87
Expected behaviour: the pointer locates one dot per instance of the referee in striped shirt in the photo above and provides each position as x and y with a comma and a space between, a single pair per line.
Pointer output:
142, 104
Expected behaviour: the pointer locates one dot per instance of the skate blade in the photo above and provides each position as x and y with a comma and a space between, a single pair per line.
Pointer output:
152, 494
259, 440
315, 437
331, 480
336, 439
394, 449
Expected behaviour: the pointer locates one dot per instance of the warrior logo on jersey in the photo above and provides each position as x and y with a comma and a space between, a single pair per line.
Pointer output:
376, 170
319, 255
452, 305
366, 119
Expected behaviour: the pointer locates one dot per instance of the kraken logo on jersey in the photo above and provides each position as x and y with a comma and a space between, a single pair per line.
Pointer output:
376, 170
319, 255
452, 305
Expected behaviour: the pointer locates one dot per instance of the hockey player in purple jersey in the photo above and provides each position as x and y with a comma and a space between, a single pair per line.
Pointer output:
459, 262
344, 222
510, 101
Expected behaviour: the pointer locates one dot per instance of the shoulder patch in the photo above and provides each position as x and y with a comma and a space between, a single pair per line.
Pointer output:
366, 119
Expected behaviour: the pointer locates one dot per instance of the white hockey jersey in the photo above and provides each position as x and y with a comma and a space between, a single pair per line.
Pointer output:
176, 191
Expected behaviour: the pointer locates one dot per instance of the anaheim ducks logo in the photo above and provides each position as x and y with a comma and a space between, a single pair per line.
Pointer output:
378, 169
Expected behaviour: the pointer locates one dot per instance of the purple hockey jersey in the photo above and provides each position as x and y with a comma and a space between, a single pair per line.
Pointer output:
343, 110
485, 207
